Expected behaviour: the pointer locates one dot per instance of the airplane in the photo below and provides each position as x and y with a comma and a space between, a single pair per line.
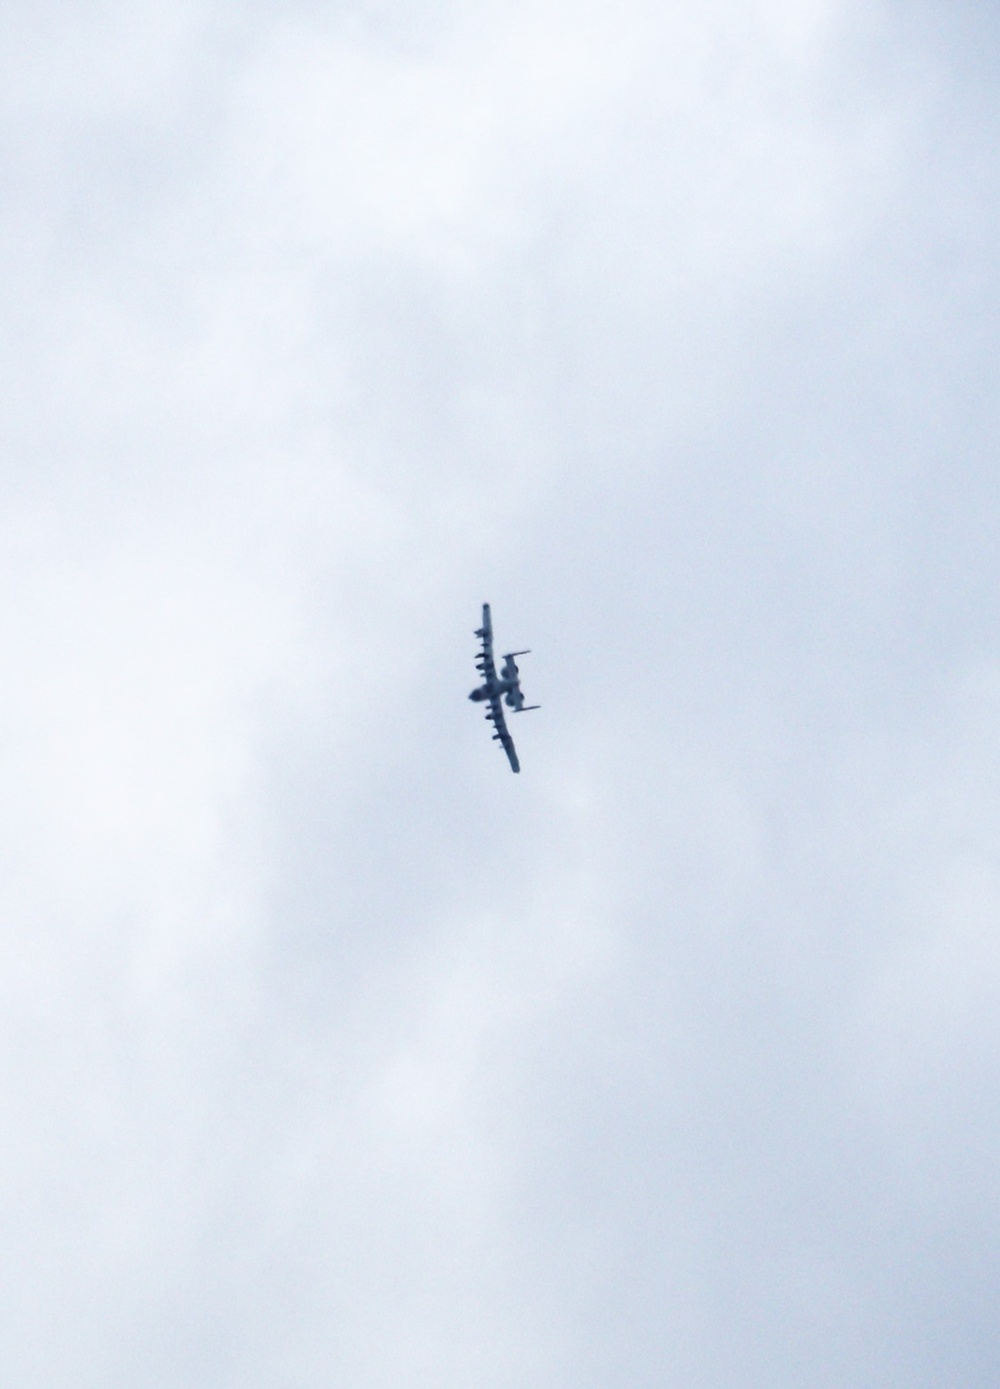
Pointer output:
497, 689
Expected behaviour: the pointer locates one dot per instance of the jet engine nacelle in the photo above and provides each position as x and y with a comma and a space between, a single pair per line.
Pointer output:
509, 671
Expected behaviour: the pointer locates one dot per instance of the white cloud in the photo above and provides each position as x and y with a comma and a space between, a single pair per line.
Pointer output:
334, 1051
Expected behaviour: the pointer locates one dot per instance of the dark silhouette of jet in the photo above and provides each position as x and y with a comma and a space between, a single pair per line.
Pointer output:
499, 688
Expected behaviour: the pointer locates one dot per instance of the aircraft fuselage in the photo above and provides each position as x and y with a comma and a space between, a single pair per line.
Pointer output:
501, 687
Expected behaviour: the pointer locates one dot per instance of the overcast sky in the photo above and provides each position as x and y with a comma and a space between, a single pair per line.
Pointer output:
332, 1053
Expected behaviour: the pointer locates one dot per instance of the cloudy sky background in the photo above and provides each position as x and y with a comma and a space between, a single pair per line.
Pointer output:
333, 1054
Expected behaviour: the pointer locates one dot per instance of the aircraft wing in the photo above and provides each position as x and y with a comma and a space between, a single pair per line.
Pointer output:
496, 718
487, 667
485, 663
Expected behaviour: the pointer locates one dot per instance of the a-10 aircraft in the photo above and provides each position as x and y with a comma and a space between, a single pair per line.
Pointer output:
498, 688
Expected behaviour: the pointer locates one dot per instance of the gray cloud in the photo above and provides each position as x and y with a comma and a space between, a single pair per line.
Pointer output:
334, 1052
